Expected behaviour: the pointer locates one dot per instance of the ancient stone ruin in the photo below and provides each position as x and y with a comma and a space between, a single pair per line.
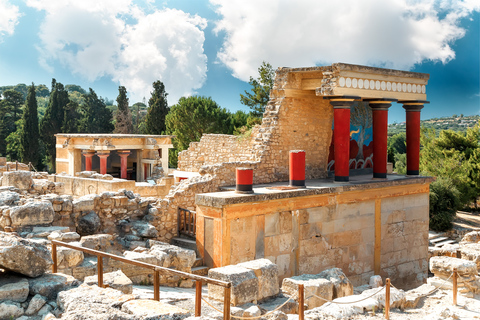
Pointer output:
338, 231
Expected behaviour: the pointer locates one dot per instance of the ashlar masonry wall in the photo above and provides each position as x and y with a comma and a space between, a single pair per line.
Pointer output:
373, 228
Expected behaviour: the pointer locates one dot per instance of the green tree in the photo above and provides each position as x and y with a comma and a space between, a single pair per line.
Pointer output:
454, 155
361, 117
192, 117
139, 112
13, 102
29, 146
97, 118
52, 121
123, 117
398, 143
71, 118
158, 110
260, 92
42, 91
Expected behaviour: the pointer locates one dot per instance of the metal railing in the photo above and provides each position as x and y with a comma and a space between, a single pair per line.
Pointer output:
156, 275
186, 222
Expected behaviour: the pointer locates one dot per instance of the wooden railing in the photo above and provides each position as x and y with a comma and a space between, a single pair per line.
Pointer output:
186, 222
156, 275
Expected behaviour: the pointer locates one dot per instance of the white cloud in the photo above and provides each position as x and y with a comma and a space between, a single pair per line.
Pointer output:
9, 15
118, 40
394, 33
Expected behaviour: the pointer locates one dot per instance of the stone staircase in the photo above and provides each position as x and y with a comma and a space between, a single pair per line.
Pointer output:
438, 239
199, 268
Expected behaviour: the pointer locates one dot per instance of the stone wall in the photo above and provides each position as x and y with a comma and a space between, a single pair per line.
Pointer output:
379, 227
215, 148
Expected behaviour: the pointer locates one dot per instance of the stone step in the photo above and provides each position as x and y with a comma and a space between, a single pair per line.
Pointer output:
434, 235
198, 263
201, 271
436, 240
186, 243
442, 243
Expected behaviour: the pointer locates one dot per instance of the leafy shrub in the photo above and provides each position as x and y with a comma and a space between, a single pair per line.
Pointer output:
444, 202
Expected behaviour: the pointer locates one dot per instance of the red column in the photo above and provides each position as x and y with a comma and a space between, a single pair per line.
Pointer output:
413, 137
244, 180
123, 162
88, 159
297, 168
341, 137
103, 161
380, 131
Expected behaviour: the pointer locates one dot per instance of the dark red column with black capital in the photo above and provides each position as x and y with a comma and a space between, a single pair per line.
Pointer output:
412, 110
341, 137
380, 135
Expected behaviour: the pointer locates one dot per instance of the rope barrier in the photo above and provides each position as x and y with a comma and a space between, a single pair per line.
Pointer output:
257, 317
350, 302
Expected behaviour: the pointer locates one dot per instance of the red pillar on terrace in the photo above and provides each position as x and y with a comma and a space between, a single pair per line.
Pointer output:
88, 159
412, 110
341, 136
123, 162
103, 161
380, 131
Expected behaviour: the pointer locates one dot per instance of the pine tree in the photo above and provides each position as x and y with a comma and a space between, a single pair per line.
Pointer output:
258, 99
52, 122
97, 118
157, 111
123, 117
29, 150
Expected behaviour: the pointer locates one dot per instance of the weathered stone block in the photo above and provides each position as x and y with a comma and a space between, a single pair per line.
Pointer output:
313, 284
18, 179
115, 280
342, 286
13, 288
32, 213
150, 309
244, 284
267, 274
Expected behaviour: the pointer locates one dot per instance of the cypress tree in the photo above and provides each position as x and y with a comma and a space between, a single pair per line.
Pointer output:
158, 109
29, 148
97, 118
52, 122
123, 117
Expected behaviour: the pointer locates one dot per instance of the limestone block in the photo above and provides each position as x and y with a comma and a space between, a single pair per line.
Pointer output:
375, 281
136, 274
178, 257
23, 256
342, 287
13, 288
18, 179
244, 284
412, 297
83, 204
471, 251
37, 302
32, 213
8, 198
471, 237
267, 274
144, 229
313, 284
115, 280
150, 309
101, 242
49, 285
443, 266
253, 311
10, 310
68, 258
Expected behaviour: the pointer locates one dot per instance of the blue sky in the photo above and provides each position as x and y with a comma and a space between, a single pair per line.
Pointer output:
212, 47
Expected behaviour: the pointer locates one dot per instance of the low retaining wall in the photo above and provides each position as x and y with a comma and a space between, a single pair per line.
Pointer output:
363, 228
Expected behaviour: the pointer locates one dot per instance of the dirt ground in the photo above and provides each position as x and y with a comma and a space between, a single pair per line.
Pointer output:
469, 220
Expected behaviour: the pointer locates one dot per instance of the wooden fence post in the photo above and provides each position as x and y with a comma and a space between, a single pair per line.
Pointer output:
455, 278
100, 271
54, 258
198, 298
226, 304
156, 285
387, 299
301, 302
